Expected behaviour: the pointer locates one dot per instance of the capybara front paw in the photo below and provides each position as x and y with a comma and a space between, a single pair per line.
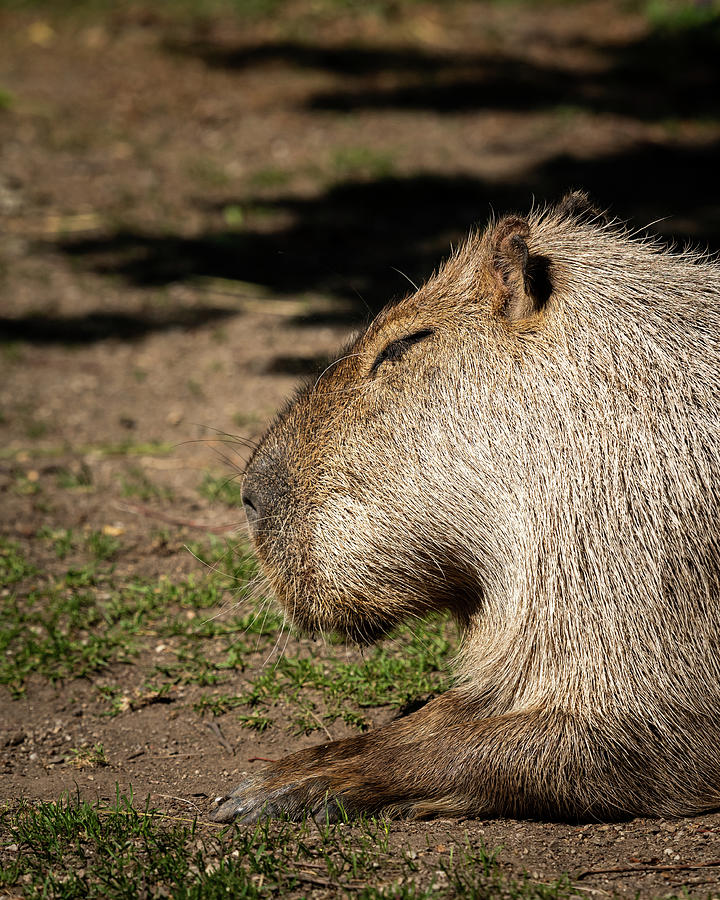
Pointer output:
258, 798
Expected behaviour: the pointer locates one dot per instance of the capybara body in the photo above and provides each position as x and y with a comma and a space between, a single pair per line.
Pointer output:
531, 442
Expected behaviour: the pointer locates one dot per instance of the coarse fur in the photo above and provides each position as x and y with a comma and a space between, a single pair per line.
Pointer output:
530, 441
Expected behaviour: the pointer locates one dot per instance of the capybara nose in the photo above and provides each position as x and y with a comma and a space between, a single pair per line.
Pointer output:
252, 505
265, 492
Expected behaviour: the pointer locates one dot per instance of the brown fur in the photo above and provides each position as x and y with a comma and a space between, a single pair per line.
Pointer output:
542, 459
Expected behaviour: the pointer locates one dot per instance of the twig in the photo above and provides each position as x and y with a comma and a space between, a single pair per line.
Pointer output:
322, 725
151, 513
156, 815
325, 882
216, 730
682, 867
179, 799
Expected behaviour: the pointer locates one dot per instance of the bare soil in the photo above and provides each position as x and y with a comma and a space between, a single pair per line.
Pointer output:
198, 210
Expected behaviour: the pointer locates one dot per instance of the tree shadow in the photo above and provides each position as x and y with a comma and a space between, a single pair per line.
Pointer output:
662, 75
362, 242
97, 326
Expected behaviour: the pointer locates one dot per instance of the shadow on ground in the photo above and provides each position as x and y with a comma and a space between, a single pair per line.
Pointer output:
353, 241
361, 242
96, 326
666, 73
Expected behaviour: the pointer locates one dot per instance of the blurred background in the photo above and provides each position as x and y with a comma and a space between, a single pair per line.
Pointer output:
200, 199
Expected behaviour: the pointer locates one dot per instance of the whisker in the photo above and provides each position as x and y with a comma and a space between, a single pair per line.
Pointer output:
407, 277
334, 363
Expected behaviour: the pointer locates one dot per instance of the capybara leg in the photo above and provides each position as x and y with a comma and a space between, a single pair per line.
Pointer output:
439, 761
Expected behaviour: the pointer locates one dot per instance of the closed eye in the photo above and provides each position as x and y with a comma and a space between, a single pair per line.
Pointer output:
395, 349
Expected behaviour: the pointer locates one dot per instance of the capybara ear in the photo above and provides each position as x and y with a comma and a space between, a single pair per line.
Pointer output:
523, 277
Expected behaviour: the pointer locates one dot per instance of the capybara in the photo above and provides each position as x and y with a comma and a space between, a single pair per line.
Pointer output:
531, 442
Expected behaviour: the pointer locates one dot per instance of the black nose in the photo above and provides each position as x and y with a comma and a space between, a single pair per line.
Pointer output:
251, 502
265, 492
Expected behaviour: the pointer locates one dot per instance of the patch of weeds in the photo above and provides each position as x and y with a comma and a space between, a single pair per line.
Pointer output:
255, 721
208, 173
226, 489
62, 540
7, 100
475, 872
82, 577
26, 483
216, 704
86, 621
196, 389
680, 15
135, 483
140, 375
56, 636
234, 637
78, 477
79, 626
102, 545
88, 757
113, 696
122, 448
417, 665
234, 215
13, 565
129, 448
270, 177
120, 700
242, 419
73, 850
354, 162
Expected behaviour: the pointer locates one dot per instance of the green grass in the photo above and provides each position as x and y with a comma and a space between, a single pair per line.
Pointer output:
207, 173
122, 448
78, 477
270, 177
102, 546
14, 567
681, 15
62, 540
71, 850
322, 689
136, 483
7, 99
355, 162
87, 619
88, 757
225, 489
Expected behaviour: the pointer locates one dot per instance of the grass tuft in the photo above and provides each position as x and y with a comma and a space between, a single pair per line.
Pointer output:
70, 850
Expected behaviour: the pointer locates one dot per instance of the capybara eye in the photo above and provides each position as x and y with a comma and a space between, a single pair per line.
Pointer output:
395, 349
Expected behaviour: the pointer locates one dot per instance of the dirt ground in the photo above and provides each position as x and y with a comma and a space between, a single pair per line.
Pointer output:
197, 210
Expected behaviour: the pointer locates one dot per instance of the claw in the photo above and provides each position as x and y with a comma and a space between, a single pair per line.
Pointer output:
254, 800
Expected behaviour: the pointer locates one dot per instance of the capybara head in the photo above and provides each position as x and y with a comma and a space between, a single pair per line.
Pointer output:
493, 431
